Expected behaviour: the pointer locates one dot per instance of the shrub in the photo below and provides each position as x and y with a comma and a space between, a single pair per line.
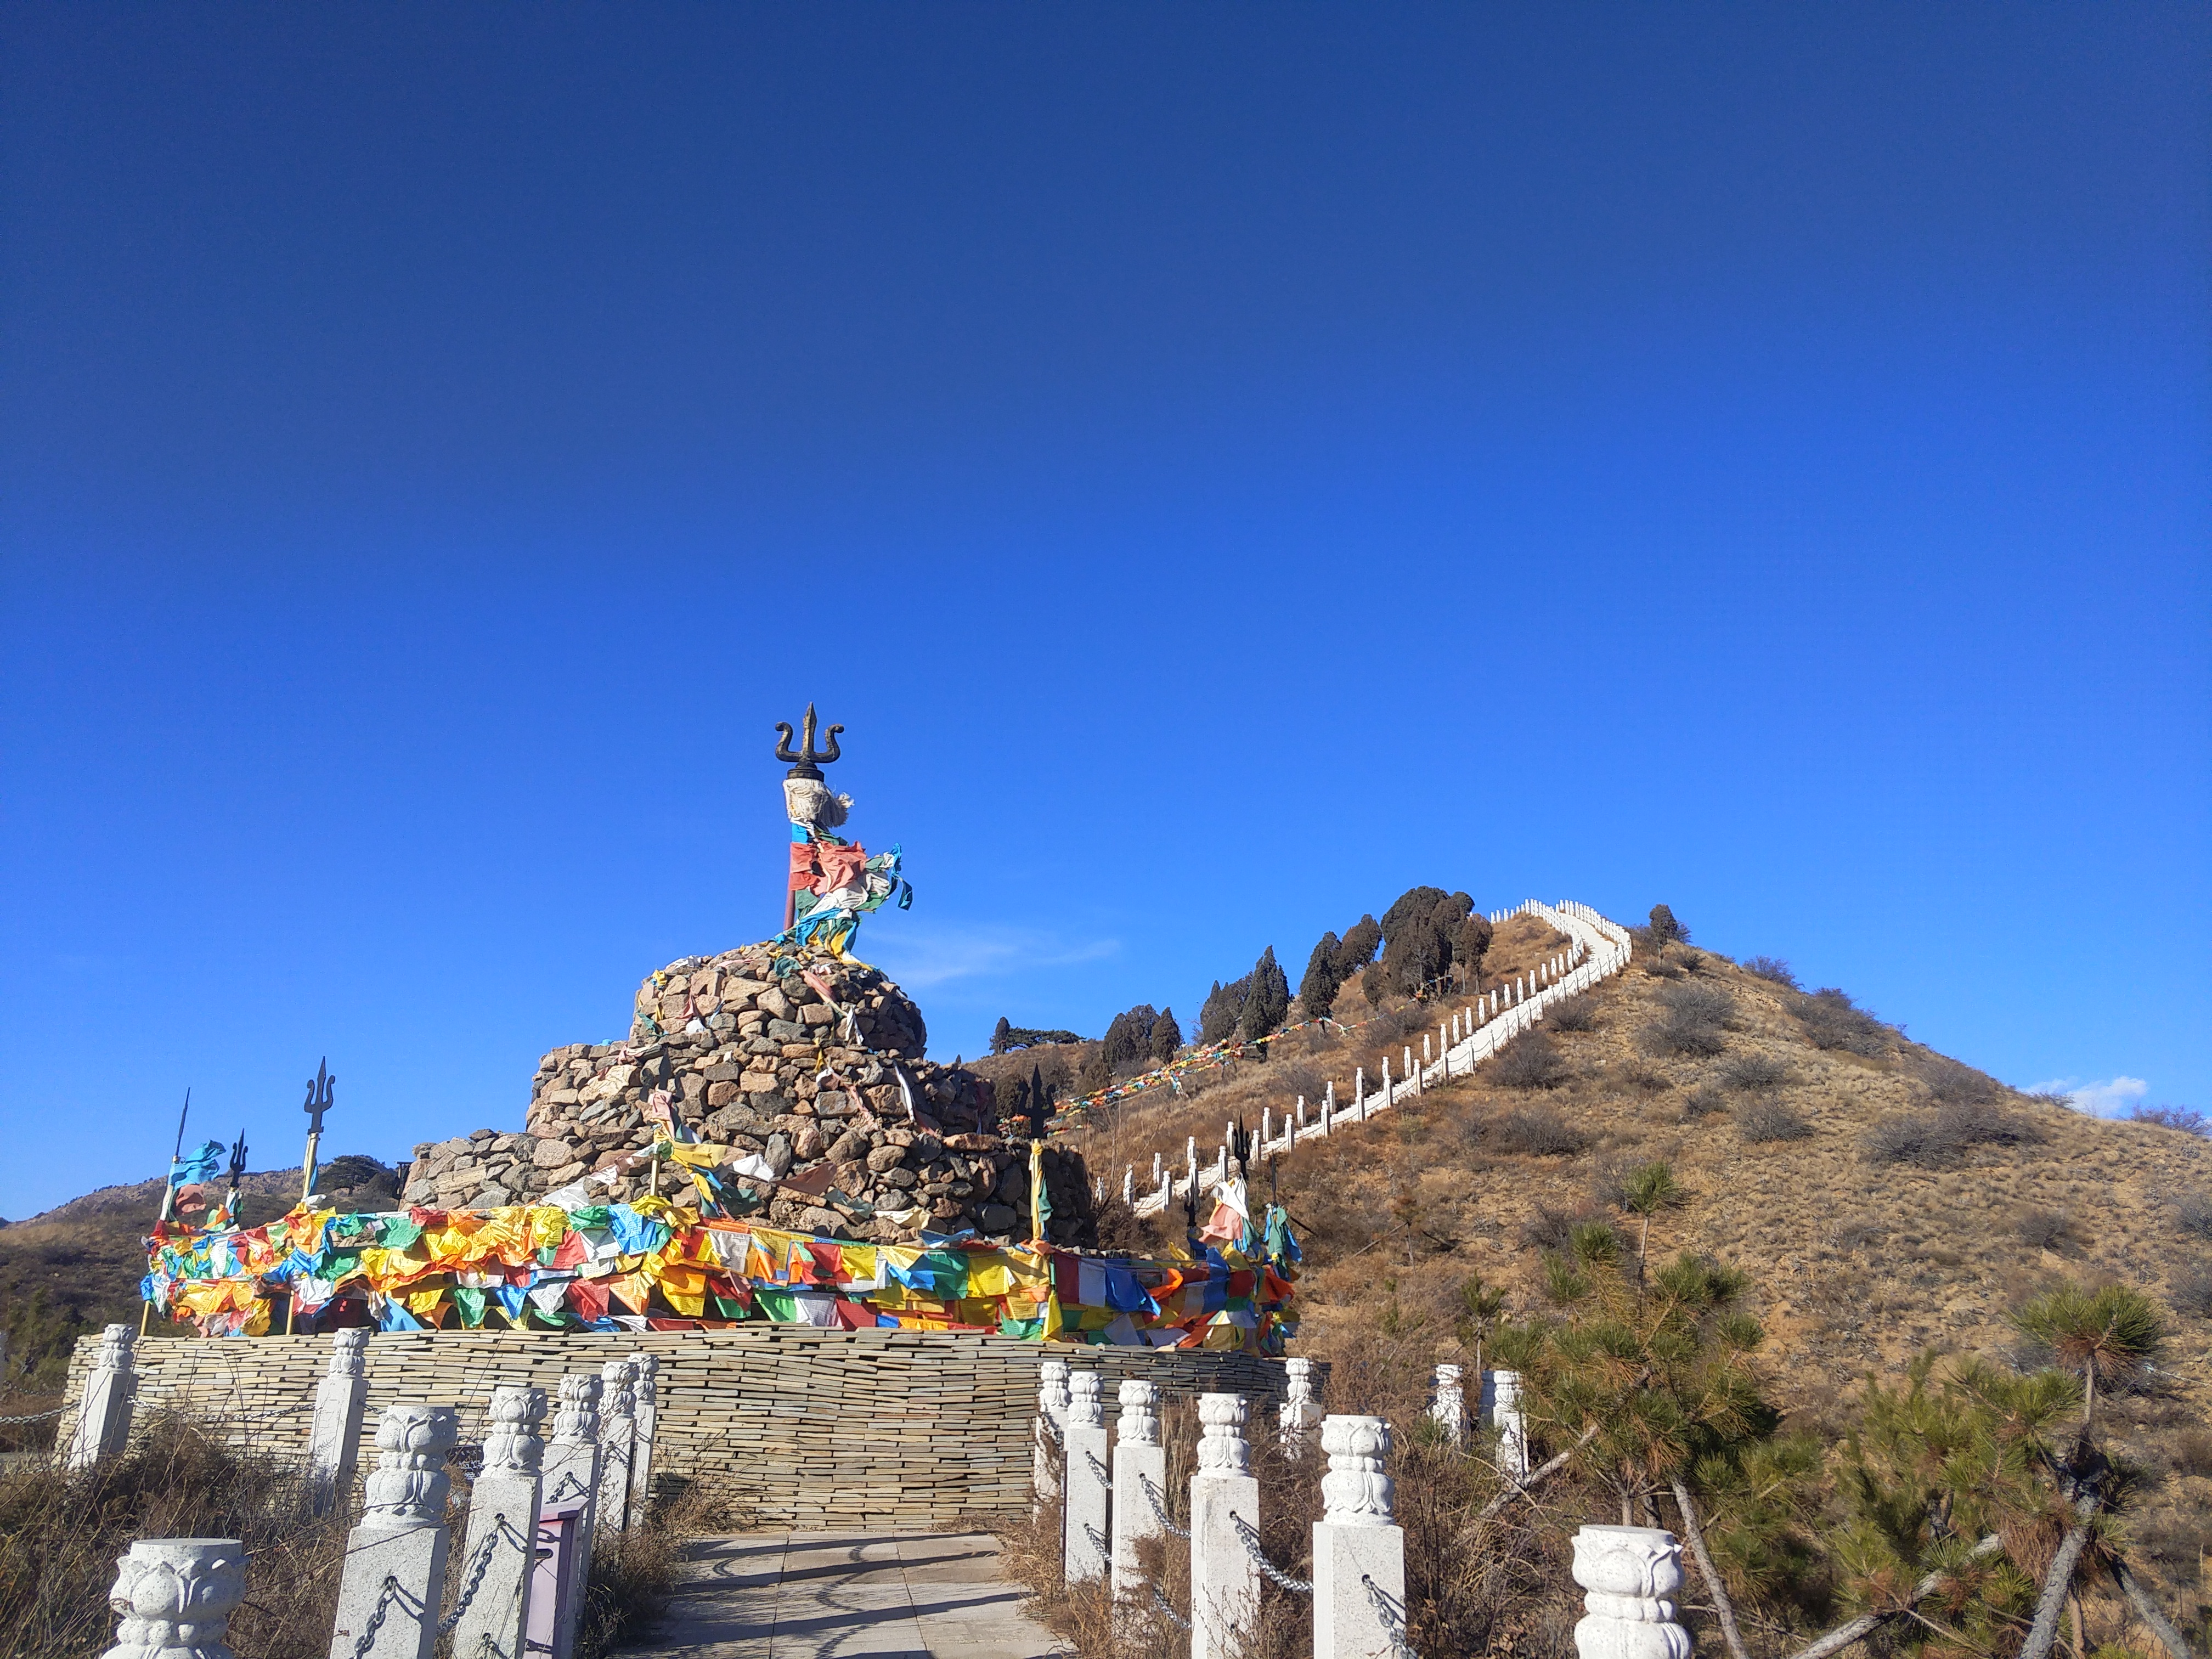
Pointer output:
1642, 1078
1767, 1119
1555, 1230
1694, 1021
1574, 1014
1941, 1138
2174, 1117
2192, 1452
2193, 1212
1946, 1079
2043, 1230
1832, 1021
1771, 968
1538, 1132
1702, 1101
1531, 1060
2192, 1292
1751, 1073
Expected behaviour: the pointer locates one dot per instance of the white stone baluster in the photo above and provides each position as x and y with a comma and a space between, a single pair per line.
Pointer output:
103, 1409
572, 1482
1083, 1542
1449, 1408
617, 1427
644, 1422
1301, 1410
334, 1431
1501, 1404
173, 1598
394, 1581
1141, 1481
497, 1559
1051, 1420
1224, 1584
1631, 1575
1359, 1551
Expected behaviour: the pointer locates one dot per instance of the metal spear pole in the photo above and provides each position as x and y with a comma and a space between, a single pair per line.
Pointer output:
168, 1195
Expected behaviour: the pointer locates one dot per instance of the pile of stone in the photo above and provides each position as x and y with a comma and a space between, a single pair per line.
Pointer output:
808, 1069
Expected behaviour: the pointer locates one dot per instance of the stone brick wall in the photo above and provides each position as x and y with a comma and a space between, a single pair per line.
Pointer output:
796, 1424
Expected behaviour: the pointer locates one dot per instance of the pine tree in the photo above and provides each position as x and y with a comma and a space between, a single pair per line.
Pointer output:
1317, 990
1665, 930
999, 1041
1167, 1037
1267, 1001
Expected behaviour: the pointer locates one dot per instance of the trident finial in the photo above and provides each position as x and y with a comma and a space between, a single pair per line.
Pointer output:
318, 1097
806, 756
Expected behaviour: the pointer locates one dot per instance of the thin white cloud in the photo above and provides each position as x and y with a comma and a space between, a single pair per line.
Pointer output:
921, 958
2113, 1098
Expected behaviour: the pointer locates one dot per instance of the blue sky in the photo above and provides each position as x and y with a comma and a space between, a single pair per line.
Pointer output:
1223, 465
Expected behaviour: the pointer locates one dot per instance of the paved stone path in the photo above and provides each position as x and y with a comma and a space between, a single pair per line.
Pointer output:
836, 1594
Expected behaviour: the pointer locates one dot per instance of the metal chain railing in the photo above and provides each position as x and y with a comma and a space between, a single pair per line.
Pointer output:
384, 1601
1105, 1475
1250, 1539
1393, 1618
1153, 1497
492, 1541
35, 1417
1161, 1602
566, 1484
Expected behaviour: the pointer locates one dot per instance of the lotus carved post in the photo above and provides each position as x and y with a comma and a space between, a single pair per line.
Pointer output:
1631, 1575
174, 1597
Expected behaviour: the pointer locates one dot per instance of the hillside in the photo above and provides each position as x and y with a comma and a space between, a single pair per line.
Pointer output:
1883, 1198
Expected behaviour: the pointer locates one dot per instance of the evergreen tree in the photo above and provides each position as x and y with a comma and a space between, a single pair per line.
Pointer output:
1358, 948
1317, 990
1218, 1015
1267, 1001
1167, 1037
1129, 1037
999, 1041
1040, 1101
1470, 943
1665, 930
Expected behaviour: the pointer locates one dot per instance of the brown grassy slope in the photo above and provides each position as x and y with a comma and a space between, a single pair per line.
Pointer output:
1858, 1264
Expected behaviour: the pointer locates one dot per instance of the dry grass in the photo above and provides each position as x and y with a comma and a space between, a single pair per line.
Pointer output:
61, 1534
1860, 1262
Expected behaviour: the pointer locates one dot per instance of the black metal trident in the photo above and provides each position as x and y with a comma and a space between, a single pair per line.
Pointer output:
319, 1102
805, 761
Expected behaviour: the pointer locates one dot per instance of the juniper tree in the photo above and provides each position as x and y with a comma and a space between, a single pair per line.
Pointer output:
1166, 1036
1357, 949
1665, 930
1268, 1000
1218, 1014
1470, 943
1000, 1041
1317, 990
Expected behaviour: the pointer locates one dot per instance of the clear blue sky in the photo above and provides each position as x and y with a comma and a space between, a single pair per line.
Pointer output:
1223, 465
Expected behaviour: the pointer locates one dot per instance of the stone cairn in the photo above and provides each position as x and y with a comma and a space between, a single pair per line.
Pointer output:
829, 1093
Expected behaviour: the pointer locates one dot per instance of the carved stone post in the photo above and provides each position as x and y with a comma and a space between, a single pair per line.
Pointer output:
1449, 1408
175, 1597
1359, 1553
334, 1433
572, 1481
1052, 1417
103, 1410
644, 1419
617, 1430
395, 1561
1504, 1391
1083, 1540
1630, 1574
497, 1560
1140, 1480
1301, 1412
1224, 1582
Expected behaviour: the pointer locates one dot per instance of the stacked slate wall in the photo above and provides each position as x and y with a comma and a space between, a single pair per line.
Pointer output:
794, 1424
830, 1091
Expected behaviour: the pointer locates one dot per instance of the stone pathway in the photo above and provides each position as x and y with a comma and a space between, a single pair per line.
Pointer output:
835, 1595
